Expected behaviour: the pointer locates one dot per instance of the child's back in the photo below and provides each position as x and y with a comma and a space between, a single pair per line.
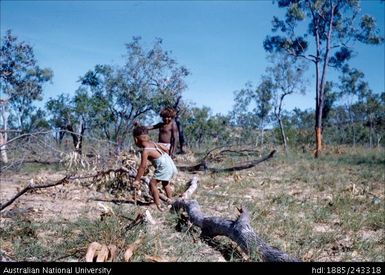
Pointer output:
165, 168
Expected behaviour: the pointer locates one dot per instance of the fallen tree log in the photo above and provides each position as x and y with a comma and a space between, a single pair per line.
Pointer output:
238, 230
203, 165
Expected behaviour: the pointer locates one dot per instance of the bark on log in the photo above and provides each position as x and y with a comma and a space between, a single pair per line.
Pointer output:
192, 186
238, 231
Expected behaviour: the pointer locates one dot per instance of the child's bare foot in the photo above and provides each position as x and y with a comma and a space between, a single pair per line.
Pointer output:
160, 208
169, 201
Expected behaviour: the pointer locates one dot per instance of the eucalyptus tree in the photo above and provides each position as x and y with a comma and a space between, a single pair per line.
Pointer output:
372, 113
352, 84
321, 32
21, 83
253, 105
287, 78
203, 128
148, 80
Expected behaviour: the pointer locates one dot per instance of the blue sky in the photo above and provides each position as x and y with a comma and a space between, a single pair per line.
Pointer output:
220, 42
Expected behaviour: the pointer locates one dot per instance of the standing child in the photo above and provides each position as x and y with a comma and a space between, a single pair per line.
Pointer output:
165, 168
168, 130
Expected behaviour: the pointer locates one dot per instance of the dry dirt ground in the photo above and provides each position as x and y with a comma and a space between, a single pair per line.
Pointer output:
69, 202
314, 211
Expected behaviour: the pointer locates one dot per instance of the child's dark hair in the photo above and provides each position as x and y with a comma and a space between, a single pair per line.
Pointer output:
140, 130
168, 112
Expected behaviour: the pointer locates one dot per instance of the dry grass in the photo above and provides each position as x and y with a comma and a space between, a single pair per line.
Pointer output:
328, 209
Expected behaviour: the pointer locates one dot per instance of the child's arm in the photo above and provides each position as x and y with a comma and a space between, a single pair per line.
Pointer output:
142, 167
162, 147
152, 127
174, 137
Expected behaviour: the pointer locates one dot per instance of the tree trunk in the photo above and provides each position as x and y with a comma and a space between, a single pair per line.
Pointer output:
318, 140
320, 88
3, 147
283, 136
317, 89
352, 125
77, 139
4, 136
238, 231
371, 133
61, 135
182, 138
262, 132
82, 129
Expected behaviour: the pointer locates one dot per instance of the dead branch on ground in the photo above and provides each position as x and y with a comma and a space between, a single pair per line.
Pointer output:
238, 230
131, 173
203, 165
241, 151
32, 186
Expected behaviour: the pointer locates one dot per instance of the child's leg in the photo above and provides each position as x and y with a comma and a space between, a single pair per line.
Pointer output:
167, 189
154, 191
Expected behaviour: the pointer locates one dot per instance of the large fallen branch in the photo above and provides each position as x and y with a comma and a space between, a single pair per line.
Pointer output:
244, 166
131, 173
203, 165
32, 186
239, 230
239, 151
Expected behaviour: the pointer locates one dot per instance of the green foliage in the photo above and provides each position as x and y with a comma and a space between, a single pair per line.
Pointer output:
149, 79
287, 79
60, 110
368, 33
300, 127
21, 81
253, 105
202, 128
330, 98
359, 116
332, 27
